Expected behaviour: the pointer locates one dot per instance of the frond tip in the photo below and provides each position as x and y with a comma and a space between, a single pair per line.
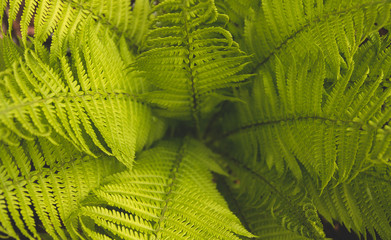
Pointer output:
168, 195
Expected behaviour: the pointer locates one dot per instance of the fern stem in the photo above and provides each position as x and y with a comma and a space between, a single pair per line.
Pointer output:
173, 177
261, 124
67, 96
194, 95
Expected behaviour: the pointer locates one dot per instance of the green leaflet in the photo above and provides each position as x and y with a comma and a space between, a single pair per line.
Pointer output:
86, 99
169, 194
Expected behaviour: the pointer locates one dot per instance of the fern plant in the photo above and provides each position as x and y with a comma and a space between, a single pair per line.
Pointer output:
194, 119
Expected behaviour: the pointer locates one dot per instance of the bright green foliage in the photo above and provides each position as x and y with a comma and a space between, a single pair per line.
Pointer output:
336, 27
194, 119
352, 110
296, 91
64, 19
168, 195
41, 184
75, 97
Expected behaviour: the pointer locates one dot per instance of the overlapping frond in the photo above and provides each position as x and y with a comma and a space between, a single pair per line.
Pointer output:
294, 116
273, 206
363, 205
307, 132
85, 98
62, 19
292, 27
169, 194
188, 55
41, 184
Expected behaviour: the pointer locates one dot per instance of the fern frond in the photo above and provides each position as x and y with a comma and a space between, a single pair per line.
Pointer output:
41, 184
86, 99
273, 206
362, 205
187, 56
63, 19
337, 27
169, 194
294, 116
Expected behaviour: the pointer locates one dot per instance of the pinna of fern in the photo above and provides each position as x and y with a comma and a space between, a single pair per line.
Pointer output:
294, 27
362, 204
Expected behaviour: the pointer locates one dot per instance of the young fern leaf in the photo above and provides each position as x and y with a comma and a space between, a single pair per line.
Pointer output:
86, 99
294, 117
169, 194
41, 184
187, 56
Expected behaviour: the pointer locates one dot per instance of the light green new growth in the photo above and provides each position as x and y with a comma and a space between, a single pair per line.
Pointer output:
194, 119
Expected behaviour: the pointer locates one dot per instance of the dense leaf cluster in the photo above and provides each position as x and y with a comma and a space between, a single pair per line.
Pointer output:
194, 119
